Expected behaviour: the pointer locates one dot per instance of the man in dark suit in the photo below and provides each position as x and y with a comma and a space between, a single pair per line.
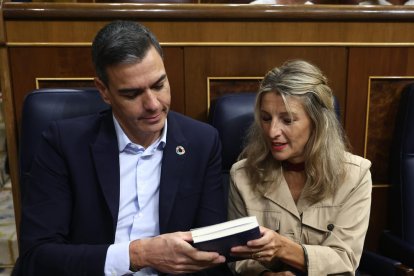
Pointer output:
116, 193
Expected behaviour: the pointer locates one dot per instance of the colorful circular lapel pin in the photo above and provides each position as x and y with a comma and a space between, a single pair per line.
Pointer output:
180, 150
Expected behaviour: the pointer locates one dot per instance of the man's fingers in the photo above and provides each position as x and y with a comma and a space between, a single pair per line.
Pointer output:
207, 257
190, 264
186, 236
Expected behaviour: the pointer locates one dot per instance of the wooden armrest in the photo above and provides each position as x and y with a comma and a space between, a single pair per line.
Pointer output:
402, 270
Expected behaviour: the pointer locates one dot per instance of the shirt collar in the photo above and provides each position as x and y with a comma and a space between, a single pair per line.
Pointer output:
123, 139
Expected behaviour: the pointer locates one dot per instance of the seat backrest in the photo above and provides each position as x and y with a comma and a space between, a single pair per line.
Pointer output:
232, 115
43, 106
402, 168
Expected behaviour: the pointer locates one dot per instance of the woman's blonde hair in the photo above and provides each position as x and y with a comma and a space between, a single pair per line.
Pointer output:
325, 149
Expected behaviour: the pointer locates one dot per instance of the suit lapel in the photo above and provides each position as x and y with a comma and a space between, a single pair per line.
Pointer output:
172, 170
280, 194
106, 157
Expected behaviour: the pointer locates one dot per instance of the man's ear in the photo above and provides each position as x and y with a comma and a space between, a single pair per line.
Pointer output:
103, 90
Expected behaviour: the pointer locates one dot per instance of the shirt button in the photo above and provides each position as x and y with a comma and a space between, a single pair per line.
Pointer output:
330, 227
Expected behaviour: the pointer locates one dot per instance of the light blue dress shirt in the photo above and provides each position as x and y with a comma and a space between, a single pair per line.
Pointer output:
138, 215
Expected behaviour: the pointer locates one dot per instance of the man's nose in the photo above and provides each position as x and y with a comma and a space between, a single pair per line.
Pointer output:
150, 100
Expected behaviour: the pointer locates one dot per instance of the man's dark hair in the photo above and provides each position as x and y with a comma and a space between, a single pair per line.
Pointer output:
121, 42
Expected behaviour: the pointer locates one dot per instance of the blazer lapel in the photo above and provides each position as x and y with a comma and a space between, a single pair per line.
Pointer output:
106, 157
172, 171
280, 194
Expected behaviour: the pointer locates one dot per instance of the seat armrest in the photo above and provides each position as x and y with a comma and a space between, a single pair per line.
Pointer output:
396, 248
403, 270
375, 264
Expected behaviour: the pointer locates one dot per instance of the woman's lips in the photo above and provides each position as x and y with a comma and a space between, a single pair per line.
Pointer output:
279, 146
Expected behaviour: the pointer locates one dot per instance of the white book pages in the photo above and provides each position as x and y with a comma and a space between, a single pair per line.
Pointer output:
224, 229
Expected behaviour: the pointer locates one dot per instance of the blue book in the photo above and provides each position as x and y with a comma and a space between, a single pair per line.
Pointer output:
223, 236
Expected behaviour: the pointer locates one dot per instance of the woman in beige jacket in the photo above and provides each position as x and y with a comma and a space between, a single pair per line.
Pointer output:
311, 196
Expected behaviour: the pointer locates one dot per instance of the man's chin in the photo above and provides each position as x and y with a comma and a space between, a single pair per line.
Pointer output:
154, 127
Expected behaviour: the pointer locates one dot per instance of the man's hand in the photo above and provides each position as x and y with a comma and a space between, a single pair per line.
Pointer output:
171, 253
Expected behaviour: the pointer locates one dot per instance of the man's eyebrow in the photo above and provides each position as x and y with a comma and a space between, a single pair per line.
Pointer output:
131, 90
140, 90
160, 79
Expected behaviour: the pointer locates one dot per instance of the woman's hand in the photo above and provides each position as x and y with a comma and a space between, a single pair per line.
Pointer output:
272, 247
264, 249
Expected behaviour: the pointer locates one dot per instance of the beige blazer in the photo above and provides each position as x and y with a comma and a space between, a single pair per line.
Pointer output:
332, 231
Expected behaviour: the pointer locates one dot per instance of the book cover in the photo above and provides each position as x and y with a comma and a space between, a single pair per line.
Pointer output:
223, 236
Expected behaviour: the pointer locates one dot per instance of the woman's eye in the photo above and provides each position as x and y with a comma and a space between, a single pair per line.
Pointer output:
266, 119
287, 121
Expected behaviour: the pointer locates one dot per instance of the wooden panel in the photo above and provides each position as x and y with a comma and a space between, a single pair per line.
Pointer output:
217, 23
379, 217
149, 1
220, 32
219, 86
209, 12
201, 63
64, 82
384, 97
29, 63
174, 65
366, 64
363, 64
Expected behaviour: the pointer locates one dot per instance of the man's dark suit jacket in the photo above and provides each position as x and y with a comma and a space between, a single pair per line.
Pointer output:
70, 209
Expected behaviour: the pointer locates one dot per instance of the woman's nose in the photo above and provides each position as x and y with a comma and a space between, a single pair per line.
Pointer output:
275, 130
